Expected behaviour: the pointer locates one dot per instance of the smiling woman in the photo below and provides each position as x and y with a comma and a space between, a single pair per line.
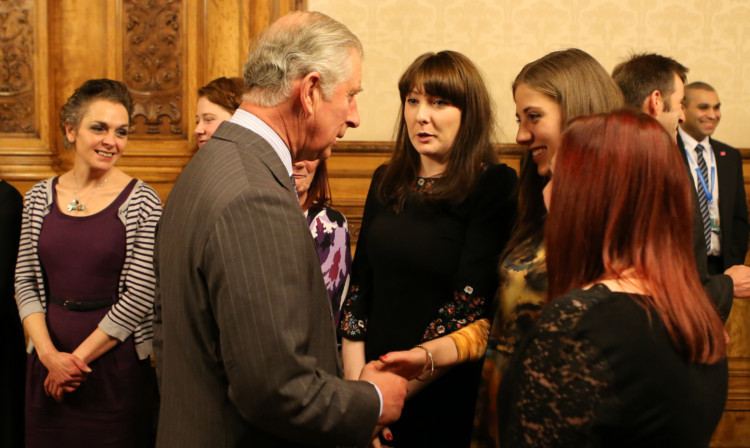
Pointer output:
85, 285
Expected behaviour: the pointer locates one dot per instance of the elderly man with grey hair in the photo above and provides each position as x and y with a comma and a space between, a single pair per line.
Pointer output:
244, 346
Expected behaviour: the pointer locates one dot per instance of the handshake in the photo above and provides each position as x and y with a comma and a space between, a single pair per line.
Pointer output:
391, 374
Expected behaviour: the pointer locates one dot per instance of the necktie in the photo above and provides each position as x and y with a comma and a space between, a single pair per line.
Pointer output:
294, 186
702, 199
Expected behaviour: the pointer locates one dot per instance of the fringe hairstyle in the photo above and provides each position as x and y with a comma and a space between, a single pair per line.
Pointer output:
452, 76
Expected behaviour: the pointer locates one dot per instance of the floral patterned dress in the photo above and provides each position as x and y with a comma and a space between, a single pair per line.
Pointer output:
423, 273
332, 242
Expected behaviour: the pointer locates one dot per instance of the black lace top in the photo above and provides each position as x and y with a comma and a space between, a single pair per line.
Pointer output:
595, 372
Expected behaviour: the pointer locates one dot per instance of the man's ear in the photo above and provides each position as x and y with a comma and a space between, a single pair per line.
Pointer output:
309, 93
654, 103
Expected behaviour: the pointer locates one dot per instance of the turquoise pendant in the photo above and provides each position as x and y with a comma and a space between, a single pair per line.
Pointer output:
74, 205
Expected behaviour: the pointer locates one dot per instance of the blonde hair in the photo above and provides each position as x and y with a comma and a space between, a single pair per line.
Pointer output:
575, 80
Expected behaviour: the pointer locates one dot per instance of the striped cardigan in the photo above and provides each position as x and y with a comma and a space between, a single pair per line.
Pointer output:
134, 310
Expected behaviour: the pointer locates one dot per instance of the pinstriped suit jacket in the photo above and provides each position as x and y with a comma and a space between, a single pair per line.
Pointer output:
244, 340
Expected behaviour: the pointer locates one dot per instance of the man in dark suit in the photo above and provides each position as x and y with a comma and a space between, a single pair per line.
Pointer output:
655, 85
245, 348
727, 224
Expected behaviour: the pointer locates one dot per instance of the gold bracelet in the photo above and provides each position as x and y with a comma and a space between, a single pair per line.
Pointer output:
432, 361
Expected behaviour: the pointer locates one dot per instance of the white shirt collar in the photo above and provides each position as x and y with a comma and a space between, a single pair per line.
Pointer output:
255, 124
690, 143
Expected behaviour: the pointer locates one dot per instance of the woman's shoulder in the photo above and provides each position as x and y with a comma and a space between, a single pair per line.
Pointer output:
498, 172
377, 175
565, 313
143, 199
328, 214
41, 191
496, 179
142, 189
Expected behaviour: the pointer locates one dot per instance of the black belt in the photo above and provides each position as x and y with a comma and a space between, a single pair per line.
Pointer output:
83, 305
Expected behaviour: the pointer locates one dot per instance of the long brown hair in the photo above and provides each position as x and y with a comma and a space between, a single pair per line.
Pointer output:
452, 76
618, 203
581, 86
319, 192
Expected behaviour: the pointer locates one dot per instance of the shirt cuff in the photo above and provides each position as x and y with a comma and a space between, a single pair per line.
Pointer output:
380, 399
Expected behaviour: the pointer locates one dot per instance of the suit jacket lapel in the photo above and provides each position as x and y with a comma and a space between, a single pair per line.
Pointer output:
723, 166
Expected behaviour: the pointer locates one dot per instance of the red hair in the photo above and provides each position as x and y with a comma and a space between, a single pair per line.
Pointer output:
621, 200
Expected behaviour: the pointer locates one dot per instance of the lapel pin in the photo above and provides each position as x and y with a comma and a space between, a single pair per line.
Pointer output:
723, 153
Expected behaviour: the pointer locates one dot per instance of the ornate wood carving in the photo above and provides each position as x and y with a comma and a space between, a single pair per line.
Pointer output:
17, 112
153, 65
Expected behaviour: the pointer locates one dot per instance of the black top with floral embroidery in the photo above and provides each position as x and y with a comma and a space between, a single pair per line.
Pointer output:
424, 273
595, 371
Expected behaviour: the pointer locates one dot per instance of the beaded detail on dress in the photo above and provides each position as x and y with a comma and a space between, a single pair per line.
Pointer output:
424, 185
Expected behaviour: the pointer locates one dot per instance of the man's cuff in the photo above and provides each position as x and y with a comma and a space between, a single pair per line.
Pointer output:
380, 397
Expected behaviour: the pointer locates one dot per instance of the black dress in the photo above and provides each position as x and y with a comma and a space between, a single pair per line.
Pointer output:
12, 376
594, 372
421, 274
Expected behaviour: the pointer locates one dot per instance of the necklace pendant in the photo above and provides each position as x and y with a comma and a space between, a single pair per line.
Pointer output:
73, 205
81, 208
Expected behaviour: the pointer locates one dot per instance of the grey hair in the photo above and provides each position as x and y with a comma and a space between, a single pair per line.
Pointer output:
283, 54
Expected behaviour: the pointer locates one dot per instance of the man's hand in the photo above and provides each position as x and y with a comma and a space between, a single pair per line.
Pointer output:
392, 387
740, 275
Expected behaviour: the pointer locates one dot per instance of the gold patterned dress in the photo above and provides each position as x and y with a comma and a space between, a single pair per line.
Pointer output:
521, 297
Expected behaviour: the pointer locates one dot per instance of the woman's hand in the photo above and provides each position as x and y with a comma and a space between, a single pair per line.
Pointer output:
407, 363
66, 373
383, 436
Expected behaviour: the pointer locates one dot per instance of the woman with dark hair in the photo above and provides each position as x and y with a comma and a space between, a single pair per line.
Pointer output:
328, 227
436, 218
85, 285
217, 102
548, 93
632, 351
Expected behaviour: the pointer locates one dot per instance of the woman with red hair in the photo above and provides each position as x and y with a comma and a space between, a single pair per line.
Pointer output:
632, 351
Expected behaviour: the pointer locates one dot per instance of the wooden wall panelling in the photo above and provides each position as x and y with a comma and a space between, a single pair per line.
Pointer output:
24, 91
734, 427
160, 40
82, 46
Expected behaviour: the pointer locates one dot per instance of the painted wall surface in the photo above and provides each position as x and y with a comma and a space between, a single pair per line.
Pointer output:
711, 37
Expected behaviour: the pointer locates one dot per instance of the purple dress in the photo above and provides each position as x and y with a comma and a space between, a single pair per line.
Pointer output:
82, 258
331, 235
